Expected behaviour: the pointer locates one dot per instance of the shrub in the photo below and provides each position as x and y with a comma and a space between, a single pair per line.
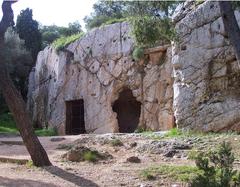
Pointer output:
148, 31
138, 53
91, 156
217, 167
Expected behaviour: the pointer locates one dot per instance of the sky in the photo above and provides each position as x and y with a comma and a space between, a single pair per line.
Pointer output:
58, 12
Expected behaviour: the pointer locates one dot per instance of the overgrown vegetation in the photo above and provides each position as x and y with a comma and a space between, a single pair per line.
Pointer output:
53, 32
138, 53
150, 20
28, 30
213, 169
149, 31
7, 125
217, 168
61, 43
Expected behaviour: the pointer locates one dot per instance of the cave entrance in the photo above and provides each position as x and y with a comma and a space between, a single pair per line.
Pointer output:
75, 123
128, 111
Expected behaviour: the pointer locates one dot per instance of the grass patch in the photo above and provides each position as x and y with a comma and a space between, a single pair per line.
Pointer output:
46, 132
7, 124
114, 20
61, 43
29, 164
173, 173
91, 156
116, 142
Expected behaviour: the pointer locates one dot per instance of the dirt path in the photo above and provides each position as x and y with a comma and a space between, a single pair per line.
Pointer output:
114, 172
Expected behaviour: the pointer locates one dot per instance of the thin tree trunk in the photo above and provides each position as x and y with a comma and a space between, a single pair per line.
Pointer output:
231, 26
15, 101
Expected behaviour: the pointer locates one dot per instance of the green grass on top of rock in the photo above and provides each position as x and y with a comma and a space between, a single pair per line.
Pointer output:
63, 42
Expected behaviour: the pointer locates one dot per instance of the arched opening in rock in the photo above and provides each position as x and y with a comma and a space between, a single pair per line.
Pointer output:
128, 111
75, 123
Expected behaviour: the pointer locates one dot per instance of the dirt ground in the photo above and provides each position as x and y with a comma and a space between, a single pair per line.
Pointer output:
113, 172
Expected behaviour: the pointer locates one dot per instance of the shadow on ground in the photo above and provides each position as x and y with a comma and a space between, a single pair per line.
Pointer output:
70, 177
6, 182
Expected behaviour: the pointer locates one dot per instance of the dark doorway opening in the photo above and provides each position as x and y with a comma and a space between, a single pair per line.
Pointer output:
128, 111
75, 123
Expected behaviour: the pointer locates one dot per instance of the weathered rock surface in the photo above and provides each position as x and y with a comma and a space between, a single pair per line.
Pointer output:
206, 75
204, 95
96, 69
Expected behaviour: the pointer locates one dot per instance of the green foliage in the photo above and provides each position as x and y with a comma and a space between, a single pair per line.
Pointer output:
116, 142
174, 173
53, 32
175, 132
236, 4
91, 156
108, 10
147, 175
149, 19
27, 28
217, 168
104, 11
7, 124
149, 31
18, 60
115, 20
29, 164
46, 132
61, 43
138, 53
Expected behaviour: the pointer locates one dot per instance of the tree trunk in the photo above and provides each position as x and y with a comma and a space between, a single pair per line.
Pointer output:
15, 101
231, 26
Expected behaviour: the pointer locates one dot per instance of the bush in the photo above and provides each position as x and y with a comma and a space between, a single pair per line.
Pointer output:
91, 156
149, 31
138, 53
61, 43
217, 167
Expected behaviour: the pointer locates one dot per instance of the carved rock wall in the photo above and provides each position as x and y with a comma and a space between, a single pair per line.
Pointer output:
96, 68
206, 74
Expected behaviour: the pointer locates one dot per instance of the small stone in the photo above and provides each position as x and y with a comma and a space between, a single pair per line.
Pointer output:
57, 139
134, 144
170, 153
133, 159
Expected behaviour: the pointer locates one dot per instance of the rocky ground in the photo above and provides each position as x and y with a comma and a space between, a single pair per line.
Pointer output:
143, 160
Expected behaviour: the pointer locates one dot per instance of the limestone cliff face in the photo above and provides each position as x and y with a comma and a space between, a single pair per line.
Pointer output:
207, 78
203, 94
96, 68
